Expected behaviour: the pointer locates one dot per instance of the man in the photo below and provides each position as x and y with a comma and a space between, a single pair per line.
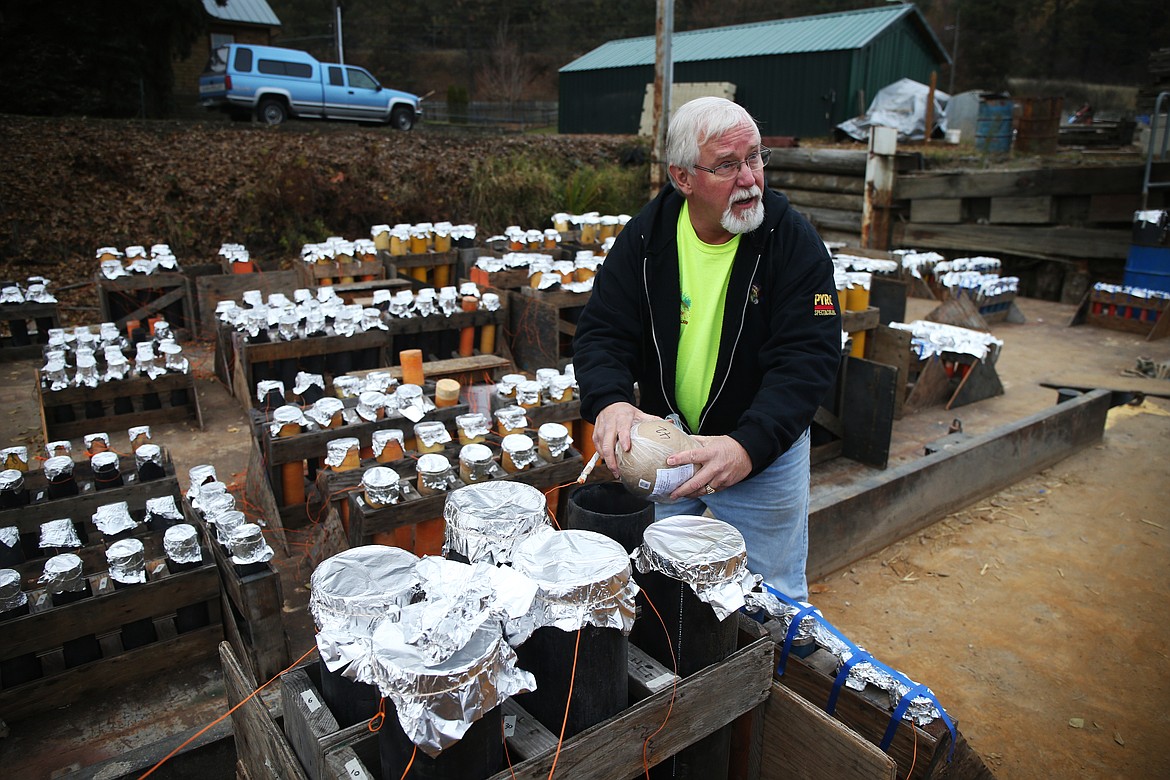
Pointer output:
718, 301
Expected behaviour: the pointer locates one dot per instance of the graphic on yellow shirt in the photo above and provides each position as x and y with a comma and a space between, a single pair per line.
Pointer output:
685, 313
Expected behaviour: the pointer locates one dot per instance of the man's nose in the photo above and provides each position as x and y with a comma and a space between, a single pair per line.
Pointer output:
745, 177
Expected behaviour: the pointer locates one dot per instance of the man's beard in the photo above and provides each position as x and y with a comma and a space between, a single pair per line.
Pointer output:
748, 221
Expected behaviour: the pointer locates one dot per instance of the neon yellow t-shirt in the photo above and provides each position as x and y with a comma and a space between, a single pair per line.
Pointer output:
703, 273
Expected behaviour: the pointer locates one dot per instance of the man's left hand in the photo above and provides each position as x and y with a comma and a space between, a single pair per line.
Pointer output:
720, 463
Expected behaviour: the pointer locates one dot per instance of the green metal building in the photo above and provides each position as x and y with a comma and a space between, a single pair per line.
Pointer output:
798, 77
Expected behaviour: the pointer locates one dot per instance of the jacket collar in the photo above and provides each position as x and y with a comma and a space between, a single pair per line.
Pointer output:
667, 205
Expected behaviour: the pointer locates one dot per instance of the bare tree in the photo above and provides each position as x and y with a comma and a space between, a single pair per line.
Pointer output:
508, 73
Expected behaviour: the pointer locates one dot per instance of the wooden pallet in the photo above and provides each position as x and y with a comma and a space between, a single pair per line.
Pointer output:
414, 510
36, 318
47, 628
543, 323
1129, 313
133, 389
143, 297
688, 710
252, 609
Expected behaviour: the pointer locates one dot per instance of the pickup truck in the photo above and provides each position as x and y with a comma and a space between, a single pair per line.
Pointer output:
273, 84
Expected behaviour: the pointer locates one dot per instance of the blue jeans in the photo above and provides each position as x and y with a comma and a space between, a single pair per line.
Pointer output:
771, 511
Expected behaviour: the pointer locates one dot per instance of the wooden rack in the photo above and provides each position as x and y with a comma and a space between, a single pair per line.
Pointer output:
137, 391
35, 319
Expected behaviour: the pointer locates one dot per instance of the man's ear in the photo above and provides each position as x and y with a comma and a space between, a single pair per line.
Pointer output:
683, 180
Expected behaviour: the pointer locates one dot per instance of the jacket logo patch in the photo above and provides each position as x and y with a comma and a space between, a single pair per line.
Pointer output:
823, 305
754, 294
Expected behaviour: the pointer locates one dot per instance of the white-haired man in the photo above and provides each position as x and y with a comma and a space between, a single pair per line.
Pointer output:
718, 301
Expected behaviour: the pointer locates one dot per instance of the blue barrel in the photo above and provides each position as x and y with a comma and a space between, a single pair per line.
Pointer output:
993, 126
1148, 267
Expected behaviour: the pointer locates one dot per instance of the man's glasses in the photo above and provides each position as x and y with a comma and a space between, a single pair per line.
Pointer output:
729, 170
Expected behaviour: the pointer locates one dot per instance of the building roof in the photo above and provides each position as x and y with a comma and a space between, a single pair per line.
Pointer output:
842, 31
242, 11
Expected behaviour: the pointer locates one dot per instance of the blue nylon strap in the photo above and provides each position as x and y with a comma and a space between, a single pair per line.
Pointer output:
899, 711
858, 655
843, 675
793, 630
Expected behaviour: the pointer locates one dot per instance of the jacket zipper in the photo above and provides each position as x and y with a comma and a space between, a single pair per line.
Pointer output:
654, 338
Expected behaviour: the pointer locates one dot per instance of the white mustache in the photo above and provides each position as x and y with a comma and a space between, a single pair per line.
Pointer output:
745, 194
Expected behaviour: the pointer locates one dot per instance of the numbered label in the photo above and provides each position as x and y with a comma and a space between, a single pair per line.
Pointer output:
509, 725
311, 700
354, 768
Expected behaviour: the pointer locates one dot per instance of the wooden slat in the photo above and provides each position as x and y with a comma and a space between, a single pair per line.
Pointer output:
1030, 210
936, 210
1052, 243
801, 742
786, 180
1081, 180
306, 720
825, 200
840, 161
259, 744
50, 693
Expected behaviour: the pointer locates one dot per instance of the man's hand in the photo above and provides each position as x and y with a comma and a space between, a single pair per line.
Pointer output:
612, 430
720, 463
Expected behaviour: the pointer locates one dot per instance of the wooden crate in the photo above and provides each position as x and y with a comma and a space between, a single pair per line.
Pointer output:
46, 628
312, 275
143, 297
80, 508
252, 609
36, 319
133, 389
868, 714
688, 710
416, 520
1129, 313
213, 288
543, 323
429, 269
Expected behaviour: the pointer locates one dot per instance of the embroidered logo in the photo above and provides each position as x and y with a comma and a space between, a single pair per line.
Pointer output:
823, 305
754, 294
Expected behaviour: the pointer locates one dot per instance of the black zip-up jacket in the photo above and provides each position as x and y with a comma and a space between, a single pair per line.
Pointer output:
778, 352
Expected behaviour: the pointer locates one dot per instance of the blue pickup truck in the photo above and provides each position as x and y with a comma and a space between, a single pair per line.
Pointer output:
273, 84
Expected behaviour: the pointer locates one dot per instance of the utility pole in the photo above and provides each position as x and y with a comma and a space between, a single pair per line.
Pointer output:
663, 81
954, 53
337, 26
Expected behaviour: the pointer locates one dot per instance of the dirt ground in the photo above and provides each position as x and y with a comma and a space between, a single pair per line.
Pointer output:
1037, 615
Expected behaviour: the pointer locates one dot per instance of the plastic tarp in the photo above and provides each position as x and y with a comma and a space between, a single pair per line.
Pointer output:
902, 106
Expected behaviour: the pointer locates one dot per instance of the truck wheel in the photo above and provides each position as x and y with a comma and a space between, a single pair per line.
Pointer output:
402, 118
271, 111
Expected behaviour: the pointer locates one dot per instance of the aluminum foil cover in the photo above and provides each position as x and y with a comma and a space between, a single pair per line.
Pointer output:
11, 479
412, 404
323, 410
378, 381
148, 453
921, 709
11, 295
286, 415
163, 508
707, 554
350, 592
306, 380
431, 433
519, 448
486, 520
381, 485
528, 393
181, 544
582, 577
435, 471
144, 430
215, 504
114, 518
127, 561
336, 450
248, 545
11, 596
266, 386
59, 533
63, 574
473, 425
512, 417
90, 438
379, 439
12, 455
370, 402
57, 466
225, 525
508, 382
438, 702
10, 536
198, 475
346, 386
556, 436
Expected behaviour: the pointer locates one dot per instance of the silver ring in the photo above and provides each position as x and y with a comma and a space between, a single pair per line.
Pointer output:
708, 490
